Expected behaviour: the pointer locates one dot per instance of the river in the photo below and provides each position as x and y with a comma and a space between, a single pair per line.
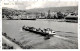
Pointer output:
14, 29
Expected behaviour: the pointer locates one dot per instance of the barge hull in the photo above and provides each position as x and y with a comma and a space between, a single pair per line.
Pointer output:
41, 33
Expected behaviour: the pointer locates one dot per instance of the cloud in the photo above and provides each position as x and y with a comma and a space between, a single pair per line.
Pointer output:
43, 4
38, 4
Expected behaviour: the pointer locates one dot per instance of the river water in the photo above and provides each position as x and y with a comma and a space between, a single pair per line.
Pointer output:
14, 29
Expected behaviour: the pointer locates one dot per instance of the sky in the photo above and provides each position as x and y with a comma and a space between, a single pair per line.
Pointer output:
37, 4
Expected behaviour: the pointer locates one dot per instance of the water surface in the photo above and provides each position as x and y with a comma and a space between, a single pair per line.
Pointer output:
14, 29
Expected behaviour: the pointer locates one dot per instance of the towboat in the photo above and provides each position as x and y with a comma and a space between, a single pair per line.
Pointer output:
39, 31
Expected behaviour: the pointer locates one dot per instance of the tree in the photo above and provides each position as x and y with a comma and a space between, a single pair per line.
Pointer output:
49, 15
60, 15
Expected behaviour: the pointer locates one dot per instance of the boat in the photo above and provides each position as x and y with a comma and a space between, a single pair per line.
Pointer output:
44, 32
28, 19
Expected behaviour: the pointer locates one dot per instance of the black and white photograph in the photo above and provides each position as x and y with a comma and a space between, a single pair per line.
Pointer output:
40, 25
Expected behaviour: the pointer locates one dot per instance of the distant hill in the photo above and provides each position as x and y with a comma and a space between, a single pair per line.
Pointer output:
10, 11
62, 9
14, 12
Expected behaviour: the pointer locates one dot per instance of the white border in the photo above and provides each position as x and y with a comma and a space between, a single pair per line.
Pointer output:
43, 49
0, 26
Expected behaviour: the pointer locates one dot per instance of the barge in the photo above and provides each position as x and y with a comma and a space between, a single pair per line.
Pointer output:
44, 32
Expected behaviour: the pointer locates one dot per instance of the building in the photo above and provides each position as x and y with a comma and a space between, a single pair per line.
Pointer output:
71, 18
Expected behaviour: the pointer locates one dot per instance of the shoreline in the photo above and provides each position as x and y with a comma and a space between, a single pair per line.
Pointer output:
7, 41
55, 20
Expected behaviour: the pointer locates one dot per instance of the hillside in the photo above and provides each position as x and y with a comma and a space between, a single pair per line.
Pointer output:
62, 9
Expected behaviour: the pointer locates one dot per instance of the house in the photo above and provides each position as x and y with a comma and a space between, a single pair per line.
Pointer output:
71, 17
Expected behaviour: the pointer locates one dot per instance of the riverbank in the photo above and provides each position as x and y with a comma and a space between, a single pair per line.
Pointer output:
10, 43
55, 20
